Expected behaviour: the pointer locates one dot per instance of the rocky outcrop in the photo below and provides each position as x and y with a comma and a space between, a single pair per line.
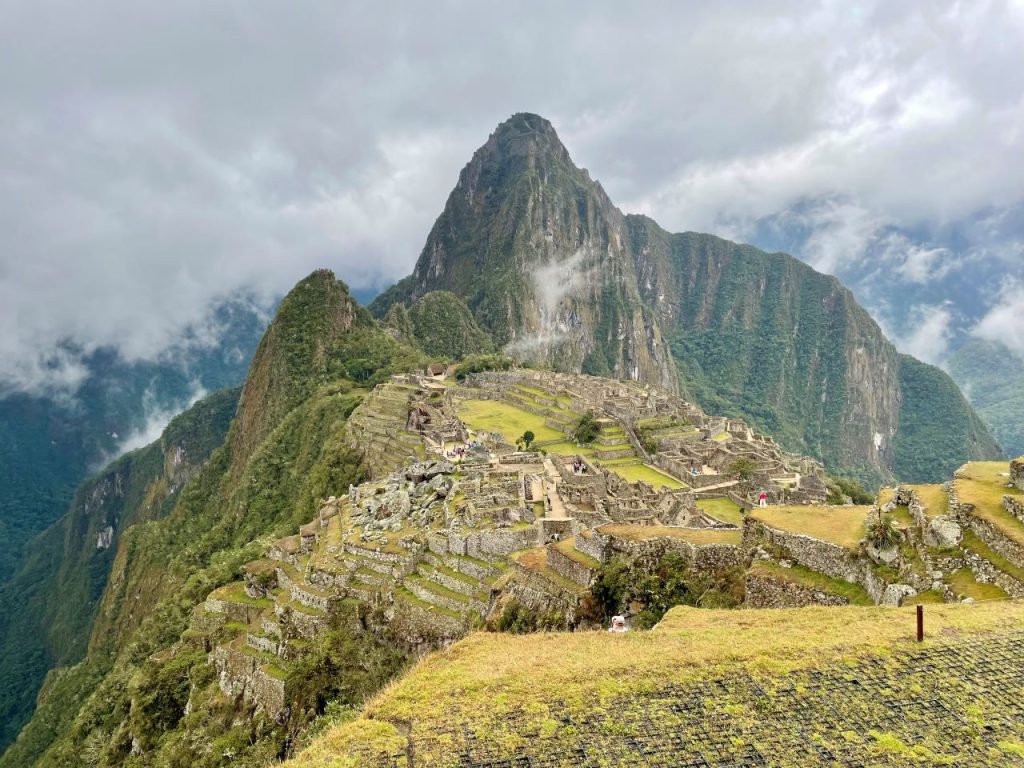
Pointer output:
1017, 473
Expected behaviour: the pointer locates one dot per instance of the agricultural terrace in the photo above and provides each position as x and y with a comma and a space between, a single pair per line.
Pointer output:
798, 687
839, 525
984, 484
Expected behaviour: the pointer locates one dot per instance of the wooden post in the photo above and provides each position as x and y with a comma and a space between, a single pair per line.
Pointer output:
920, 623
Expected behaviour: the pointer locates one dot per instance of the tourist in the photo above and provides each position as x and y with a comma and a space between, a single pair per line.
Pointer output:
618, 625
762, 500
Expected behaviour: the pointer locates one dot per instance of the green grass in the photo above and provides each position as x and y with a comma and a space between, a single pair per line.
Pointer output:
839, 525
974, 543
964, 583
647, 473
722, 508
809, 579
506, 420
566, 448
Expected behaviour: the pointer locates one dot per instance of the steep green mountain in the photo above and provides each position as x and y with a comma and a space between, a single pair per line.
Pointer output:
992, 377
49, 444
50, 603
536, 250
442, 325
123, 705
555, 272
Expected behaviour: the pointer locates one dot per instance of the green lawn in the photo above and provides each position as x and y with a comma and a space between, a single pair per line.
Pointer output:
506, 420
964, 583
722, 507
935, 500
839, 525
647, 473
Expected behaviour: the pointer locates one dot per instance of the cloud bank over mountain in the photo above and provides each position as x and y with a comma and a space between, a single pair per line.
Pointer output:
158, 160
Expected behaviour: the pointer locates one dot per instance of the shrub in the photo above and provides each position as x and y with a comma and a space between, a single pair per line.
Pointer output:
587, 429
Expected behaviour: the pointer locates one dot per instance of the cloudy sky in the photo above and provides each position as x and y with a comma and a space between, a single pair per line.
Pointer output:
156, 159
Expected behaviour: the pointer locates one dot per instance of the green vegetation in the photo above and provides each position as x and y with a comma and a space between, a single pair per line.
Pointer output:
964, 583
838, 487
723, 508
983, 484
526, 440
444, 327
940, 431
477, 363
284, 453
883, 533
622, 582
586, 429
743, 468
992, 377
50, 603
506, 420
645, 473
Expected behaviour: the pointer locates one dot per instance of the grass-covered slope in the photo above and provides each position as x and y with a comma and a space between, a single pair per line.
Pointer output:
992, 377
801, 687
50, 603
285, 450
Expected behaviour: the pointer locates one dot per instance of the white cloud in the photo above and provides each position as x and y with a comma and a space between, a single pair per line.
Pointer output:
174, 155
931, 334
1004, 322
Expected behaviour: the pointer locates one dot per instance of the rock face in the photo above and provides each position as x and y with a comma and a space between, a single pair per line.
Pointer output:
942, 532
556, 273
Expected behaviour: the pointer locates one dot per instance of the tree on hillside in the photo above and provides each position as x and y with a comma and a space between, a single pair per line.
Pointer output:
743, 468
587, 429
527, 438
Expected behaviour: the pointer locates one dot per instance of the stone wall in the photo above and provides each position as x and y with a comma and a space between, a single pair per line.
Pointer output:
822, 556
1015, 506
239, 674
589, 544
767, 592
570, 569
1017, 472
505, 541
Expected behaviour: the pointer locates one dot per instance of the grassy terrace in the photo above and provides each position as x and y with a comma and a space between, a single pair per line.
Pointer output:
839, 525
935, 500
809, 579
506, 420
646, 473
983, 484
973, 543
696, 536
723, 508
536, 560
514, 694
568, 548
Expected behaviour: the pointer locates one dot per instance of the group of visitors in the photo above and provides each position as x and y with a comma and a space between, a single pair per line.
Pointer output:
458, 453
696, 470
579, 467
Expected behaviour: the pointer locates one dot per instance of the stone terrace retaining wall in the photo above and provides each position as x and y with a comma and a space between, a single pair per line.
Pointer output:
1015, 506
767, 592
1017, 472
963, 513
241, 674
565, 566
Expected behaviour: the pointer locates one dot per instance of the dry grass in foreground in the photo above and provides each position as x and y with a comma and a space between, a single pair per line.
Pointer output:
489, 676
839, 525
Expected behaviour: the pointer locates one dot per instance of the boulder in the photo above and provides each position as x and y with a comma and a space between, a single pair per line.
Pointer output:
886, 556
942, 532
895, 594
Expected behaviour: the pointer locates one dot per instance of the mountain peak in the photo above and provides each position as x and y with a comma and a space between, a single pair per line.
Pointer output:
525, 134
